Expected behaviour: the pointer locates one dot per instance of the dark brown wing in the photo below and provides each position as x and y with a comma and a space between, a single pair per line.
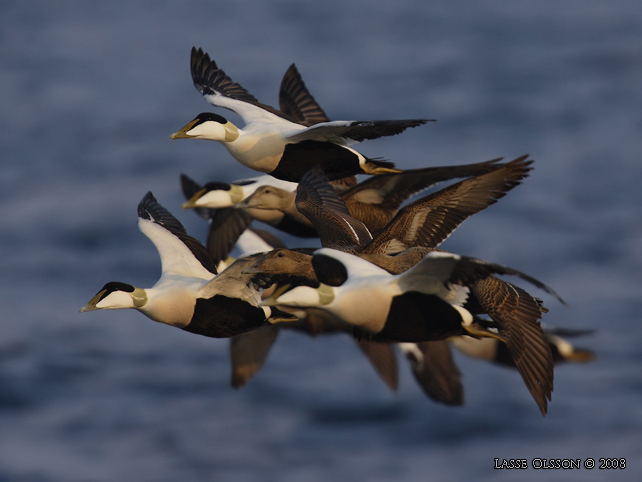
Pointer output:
373, 216
389, 191
517, 314
453, 268
430, 220
344, 184
296, 101
317, 200
397, 263
435, 371
249, 351
382, 358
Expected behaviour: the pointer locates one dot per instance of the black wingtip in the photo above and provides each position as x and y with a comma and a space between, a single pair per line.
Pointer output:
146, 204
149, 197
199, 57
150, 208
209, 79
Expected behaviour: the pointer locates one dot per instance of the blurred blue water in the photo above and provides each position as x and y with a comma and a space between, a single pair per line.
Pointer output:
91, 93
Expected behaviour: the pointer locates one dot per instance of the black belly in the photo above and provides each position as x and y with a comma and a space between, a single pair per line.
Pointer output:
222, 317
337, 162
416, 317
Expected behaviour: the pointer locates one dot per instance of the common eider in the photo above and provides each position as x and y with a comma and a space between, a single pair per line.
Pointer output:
494, 351
424, 303
374, 201
276, 143
227, 223
425, 222
430, 301
189, 294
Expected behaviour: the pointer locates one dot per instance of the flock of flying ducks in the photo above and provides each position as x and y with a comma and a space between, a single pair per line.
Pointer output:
379, 275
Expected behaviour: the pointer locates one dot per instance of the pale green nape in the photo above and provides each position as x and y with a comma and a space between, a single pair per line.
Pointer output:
231, 132
236, 193
139, 296
326, 294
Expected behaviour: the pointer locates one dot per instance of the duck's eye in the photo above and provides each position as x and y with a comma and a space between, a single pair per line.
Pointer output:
280, 255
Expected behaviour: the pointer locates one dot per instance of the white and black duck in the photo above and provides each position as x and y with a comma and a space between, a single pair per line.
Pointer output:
276, 143
189, 294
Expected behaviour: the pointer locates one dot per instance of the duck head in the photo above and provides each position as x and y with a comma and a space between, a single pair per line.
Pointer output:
116, 296
215, 195
208, 126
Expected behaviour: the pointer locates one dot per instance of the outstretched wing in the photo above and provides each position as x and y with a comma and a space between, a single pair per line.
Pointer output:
389, 191
221, 91
317, 200
226, 227
383, 359
180, 253
430, 220
376, 200
435, 371
248, 352
296, 101
517, 314
345, 131
515, 311
464, 270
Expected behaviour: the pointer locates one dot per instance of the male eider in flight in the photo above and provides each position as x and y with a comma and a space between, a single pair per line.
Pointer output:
515, 312
431, 362
215, 202
424, 224
189, 294
422, 304
433, 300
215, 195
276, 143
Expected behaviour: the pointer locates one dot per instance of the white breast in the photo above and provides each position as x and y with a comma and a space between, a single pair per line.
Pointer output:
364, 305
172, 301
259, 147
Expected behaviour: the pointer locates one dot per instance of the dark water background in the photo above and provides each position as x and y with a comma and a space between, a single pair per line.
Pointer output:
91, 91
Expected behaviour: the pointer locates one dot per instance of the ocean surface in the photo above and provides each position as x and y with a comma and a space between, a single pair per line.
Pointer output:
91, 91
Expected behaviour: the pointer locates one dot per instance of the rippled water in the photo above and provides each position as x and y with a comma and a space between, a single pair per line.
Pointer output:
91, 93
